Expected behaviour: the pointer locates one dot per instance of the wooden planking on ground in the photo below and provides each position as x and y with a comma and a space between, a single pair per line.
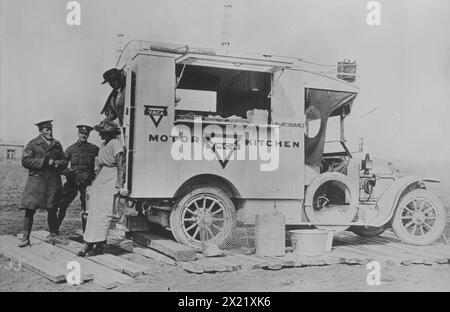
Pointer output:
30, 260
389, 237
118, 264
225, 261
218, 264
318, 260
376, 255
244, 264
439, 251
408, 255
349, 257
170, 248
207, 266
286, 261
374, 252
258, 262
382, 252
103, 275
146, 252
191, 267
58, 256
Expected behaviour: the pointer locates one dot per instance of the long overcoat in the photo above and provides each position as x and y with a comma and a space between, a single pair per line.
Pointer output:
43, 188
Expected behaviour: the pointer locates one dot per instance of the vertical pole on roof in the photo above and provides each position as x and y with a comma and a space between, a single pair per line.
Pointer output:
119, 44
226, 31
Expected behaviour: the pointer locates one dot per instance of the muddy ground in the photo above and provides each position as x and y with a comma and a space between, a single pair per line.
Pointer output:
338, 277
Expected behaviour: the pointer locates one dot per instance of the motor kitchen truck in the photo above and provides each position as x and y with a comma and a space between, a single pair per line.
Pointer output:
175, 92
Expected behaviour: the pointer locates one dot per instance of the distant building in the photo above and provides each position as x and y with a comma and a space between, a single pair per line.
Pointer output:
10, 150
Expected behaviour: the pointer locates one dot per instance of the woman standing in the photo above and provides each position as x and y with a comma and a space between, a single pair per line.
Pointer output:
106, 186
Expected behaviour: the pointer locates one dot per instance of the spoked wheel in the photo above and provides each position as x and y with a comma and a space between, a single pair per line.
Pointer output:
420, 218
205, 214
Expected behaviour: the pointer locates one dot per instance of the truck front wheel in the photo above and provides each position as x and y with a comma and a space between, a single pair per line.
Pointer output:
420, 218
204, 214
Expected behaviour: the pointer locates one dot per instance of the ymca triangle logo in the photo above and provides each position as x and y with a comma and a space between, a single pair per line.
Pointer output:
156, 113
223, 147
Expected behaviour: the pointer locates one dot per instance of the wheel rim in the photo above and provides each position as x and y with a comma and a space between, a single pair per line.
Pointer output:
418, 217
204, 218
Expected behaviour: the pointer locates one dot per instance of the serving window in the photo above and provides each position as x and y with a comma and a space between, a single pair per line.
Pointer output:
221, 93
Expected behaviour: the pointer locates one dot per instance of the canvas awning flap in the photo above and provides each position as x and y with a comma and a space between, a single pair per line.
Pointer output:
328, 103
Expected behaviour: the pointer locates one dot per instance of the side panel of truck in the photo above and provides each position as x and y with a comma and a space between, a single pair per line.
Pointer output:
155, 172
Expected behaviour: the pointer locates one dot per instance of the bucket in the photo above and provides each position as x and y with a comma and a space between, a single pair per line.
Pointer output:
311, 242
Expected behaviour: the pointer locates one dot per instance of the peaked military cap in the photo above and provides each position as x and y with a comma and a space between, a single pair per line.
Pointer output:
44, 124
84, 129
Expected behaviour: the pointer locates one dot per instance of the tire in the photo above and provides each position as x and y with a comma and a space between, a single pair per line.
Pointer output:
344, 182
189, 218
419, 212
368, 231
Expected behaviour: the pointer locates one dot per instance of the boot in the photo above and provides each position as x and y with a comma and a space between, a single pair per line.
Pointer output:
25, 241
87, 248
97, 250
27, 226
83, 221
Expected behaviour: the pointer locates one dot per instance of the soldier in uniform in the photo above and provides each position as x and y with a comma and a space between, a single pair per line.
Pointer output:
44, 158
80, 173
114, 106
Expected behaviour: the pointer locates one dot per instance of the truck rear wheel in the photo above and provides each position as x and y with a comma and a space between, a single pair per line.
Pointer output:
204, 214
420, 218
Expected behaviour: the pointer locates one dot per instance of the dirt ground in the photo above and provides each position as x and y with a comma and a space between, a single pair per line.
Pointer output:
338, 277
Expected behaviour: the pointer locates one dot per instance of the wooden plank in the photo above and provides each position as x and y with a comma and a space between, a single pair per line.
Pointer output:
191, 267
230, 266
104, 276
406, 255
259, 262
304, 260
272, 264
366, 250
113, 262
170, 248
244, 264
350, 257
154, 255
129, 267
438, 251
286, 261
58, 256
205, 265
31, 261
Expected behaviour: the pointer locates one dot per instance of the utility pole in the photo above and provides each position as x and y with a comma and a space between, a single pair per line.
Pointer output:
226, 31
119, 44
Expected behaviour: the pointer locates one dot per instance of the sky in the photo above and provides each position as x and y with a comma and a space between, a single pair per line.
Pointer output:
50, 70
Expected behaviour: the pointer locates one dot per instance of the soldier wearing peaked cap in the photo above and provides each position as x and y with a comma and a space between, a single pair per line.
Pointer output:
80, 173
44, 158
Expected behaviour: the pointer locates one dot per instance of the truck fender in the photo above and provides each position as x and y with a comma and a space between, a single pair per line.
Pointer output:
390, 198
